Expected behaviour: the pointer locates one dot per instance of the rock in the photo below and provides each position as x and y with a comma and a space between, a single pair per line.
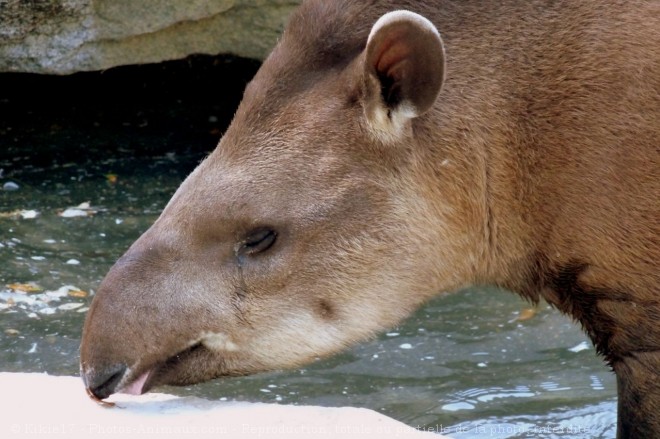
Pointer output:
10, 186
66, 36
38, 405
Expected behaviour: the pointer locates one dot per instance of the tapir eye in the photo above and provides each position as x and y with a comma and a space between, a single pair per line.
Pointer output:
257, 241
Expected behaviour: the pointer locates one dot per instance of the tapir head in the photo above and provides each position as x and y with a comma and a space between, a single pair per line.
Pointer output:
306, 230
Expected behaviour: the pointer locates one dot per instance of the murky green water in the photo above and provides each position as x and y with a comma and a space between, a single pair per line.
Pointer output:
465, 364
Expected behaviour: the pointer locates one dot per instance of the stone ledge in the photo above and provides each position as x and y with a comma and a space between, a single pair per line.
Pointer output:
38, 405
67, 36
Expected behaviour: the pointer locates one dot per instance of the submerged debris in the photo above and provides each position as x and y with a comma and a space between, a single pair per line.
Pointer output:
526, 314
10, 186
20, 214
81, 210
111, 178
29, 287
35, 301
77, 293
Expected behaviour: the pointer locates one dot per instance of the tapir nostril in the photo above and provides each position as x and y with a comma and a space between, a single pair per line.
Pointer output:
103, 383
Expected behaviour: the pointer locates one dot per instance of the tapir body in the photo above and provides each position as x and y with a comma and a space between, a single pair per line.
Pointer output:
389, 151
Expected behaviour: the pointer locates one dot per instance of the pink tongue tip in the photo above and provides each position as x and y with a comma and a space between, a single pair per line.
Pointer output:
135, 388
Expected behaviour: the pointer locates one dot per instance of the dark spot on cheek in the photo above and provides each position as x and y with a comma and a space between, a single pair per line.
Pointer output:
326, 310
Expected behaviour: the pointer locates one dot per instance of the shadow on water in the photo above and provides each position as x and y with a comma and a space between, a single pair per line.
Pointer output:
88, 161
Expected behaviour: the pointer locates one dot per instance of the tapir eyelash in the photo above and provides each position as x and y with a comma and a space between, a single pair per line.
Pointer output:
257, 241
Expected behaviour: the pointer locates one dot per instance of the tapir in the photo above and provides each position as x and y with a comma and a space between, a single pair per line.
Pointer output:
390, 151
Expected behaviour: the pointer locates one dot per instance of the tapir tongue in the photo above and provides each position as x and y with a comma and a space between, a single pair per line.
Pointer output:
135, 388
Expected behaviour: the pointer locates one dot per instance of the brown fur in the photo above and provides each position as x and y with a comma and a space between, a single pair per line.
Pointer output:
537, 169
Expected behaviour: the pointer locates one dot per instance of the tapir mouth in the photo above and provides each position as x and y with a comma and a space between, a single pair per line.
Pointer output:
140, 378
137, 387
154, 375
193, 364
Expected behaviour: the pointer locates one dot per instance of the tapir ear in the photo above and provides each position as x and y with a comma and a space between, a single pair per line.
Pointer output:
404, 69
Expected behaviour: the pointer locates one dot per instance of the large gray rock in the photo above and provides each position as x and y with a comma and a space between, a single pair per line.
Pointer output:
66, 36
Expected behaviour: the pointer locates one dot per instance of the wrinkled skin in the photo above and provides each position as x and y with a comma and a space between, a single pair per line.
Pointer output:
366, 171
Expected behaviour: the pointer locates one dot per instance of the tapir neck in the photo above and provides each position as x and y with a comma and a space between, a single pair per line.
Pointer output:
478, 161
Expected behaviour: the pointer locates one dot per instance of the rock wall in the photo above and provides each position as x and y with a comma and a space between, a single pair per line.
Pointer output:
66, 36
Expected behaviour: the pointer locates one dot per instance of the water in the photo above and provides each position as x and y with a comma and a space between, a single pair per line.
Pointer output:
466, 364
